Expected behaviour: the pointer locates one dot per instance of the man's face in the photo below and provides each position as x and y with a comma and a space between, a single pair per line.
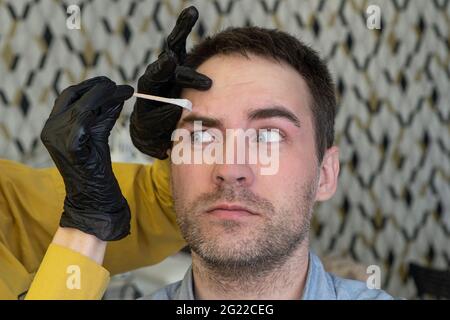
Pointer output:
280, 204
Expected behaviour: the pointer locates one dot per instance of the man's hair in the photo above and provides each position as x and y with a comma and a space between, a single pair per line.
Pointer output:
282, 47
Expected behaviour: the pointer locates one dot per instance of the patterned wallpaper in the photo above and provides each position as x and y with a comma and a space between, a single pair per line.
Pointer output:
393, 200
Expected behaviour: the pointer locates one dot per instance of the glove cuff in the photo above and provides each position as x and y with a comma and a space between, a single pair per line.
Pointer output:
107, 226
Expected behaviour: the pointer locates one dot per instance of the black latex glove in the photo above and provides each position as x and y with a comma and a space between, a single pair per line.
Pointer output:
76, 136
153, 122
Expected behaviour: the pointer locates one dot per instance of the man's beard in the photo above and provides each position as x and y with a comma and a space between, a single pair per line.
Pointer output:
279, 231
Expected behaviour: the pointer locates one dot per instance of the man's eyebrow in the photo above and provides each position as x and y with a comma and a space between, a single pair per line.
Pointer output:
206, 121
273, 112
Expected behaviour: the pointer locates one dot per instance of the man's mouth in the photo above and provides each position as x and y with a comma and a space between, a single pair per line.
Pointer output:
230, 211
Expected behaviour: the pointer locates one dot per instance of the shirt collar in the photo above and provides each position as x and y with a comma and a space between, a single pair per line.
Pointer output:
186, 289
318, 285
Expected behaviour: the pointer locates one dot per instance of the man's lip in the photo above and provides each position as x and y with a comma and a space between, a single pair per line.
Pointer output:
230, 207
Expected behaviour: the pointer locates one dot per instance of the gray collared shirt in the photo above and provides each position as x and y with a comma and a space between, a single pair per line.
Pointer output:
320, 285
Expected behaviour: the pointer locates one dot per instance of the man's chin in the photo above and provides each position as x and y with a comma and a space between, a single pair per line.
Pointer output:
225, 253
233, 243
229, 231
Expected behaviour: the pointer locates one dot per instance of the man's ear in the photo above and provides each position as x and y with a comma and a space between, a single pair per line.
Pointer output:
329, 171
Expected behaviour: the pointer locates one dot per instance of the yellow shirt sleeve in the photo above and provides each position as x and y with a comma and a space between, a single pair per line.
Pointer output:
31, 203
66, 274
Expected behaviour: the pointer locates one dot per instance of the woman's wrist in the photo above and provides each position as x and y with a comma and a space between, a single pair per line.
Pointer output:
81, 242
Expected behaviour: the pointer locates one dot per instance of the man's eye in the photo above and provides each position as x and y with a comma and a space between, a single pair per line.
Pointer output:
200, 137
269, 136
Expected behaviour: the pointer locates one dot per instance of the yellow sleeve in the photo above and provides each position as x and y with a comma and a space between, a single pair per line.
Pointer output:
66, 274
154, 232
31, 203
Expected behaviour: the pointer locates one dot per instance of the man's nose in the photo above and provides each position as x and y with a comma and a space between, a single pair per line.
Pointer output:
234, 174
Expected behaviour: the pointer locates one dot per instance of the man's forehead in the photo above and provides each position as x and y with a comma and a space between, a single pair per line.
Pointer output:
240, 84
236, 68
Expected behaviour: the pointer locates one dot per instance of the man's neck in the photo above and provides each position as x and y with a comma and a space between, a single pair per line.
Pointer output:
286, 281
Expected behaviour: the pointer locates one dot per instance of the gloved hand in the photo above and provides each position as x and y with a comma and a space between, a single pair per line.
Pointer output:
76, 136
153, 122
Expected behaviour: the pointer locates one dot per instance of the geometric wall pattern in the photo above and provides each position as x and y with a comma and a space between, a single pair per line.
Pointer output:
393, 200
